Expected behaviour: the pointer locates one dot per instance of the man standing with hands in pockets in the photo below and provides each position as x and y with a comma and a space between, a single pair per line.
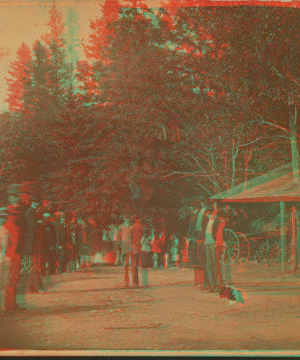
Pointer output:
126, 236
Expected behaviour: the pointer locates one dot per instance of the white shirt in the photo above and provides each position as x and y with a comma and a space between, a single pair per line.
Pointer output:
199, 220
4, 239
208, 233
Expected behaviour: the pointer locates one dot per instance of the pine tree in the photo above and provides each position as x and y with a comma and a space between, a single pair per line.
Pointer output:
56, 26
73, 44
98, 39
36, 85
15, 83
59, 76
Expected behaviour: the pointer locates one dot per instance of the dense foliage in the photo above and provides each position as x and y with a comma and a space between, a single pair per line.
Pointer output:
165, 105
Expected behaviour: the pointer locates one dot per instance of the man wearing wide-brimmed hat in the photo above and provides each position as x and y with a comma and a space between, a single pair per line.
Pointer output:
28, 190
4, 261
45, 248
31, 225
63, 241
73, 227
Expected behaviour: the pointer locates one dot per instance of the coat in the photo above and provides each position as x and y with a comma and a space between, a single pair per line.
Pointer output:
137, 233
30, 230
15, 236
45, 238
63, 236
159, 243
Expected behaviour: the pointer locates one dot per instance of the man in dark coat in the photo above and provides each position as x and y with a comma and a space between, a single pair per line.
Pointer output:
196, 234
46, 237
74, 230
29, 252
63, 242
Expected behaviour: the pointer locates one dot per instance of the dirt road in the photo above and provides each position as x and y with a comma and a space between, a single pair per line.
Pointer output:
91, 310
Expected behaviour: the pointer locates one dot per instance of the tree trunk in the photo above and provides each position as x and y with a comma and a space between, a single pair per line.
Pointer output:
234, 152
293, 140
247, 159
294, 241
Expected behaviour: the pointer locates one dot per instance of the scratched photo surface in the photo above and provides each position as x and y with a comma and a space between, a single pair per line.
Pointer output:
149, 177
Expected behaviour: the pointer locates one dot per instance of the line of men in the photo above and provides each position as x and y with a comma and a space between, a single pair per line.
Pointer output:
35, 243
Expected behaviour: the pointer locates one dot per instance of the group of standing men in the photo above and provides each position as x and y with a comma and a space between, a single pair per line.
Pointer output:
208, 247
40, 243
36, 242
138, 242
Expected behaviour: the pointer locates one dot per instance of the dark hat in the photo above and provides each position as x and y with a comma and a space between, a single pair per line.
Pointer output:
13, 189
3, 212
35, 199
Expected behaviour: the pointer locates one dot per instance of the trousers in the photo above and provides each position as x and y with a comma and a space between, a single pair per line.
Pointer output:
211, 264
134, 259
203, 262
4, 276
219, 271
158, 259
12, 281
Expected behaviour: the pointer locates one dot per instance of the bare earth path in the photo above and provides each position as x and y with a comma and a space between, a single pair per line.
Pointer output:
90, 310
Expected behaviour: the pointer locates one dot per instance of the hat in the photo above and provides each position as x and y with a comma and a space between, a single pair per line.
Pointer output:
3, 212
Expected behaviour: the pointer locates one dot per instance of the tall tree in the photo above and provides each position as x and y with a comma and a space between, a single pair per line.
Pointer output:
15, 85
56, 27
36, 81
73, 43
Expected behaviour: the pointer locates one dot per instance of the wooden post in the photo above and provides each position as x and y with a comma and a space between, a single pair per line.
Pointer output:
293, 241
298, 237
282, 234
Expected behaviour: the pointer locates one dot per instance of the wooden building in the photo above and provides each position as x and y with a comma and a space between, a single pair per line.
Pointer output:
275, 186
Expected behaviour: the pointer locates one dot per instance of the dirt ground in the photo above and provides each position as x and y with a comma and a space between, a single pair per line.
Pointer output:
90, 310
